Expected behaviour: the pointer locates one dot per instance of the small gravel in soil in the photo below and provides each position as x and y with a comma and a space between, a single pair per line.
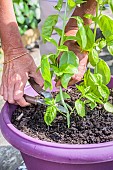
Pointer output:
96, 127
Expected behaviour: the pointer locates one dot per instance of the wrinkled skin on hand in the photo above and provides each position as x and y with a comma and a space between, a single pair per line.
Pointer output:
15, 76
83, 60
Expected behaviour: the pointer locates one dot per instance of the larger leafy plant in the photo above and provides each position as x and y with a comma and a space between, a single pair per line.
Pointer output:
93, 88
27, 14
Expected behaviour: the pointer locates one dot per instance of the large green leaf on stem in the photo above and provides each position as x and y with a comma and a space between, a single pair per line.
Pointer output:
48, 26
80, 107
45, 69
81, 34
69, 57
103, 69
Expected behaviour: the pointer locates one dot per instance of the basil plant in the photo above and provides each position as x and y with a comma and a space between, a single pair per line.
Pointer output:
93, 88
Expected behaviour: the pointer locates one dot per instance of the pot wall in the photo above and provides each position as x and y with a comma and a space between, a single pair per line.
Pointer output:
41, 155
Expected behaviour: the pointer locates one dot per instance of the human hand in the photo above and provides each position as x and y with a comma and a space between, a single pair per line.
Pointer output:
83, 59
15, 76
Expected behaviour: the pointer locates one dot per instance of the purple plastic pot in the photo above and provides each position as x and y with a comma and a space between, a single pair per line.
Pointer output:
41, 155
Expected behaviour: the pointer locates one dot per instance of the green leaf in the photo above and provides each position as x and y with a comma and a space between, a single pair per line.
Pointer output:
93, 57
106, 25
20, 19
49, 101
17, 10
110, 49
109, 107
68, 68
83, 89
92, 105
99, 78
110, 2
58, 31
89, 16
90, 79
102, 44
50, 115
69, 58
103, 69
80, 107
49, 25
65, 96
67, 38
65, 80
109, 40
45, 69
62, 48
47, 85
59, 5
90, 38
104, 91
16, 1
81, 34
51, 40
56, 70
93, 98
52, 58
71, 3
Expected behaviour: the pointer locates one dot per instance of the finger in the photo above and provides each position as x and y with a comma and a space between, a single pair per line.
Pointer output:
37, 77
5, 91
22, 102
18, 93
11, 92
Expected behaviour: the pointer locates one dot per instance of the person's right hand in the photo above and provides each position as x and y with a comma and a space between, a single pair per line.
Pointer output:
15, 76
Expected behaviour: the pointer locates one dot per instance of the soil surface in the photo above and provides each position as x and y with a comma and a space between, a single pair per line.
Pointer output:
96, 127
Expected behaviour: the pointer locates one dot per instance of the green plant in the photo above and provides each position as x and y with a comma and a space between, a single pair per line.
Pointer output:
27, 14
93, 88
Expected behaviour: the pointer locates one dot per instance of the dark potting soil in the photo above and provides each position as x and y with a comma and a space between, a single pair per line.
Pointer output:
96, 127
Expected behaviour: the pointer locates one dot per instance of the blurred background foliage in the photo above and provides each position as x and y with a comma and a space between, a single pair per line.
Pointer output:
27, 14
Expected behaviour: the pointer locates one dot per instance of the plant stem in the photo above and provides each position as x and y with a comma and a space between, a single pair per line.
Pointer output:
64, 24
95, 28
64, 104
